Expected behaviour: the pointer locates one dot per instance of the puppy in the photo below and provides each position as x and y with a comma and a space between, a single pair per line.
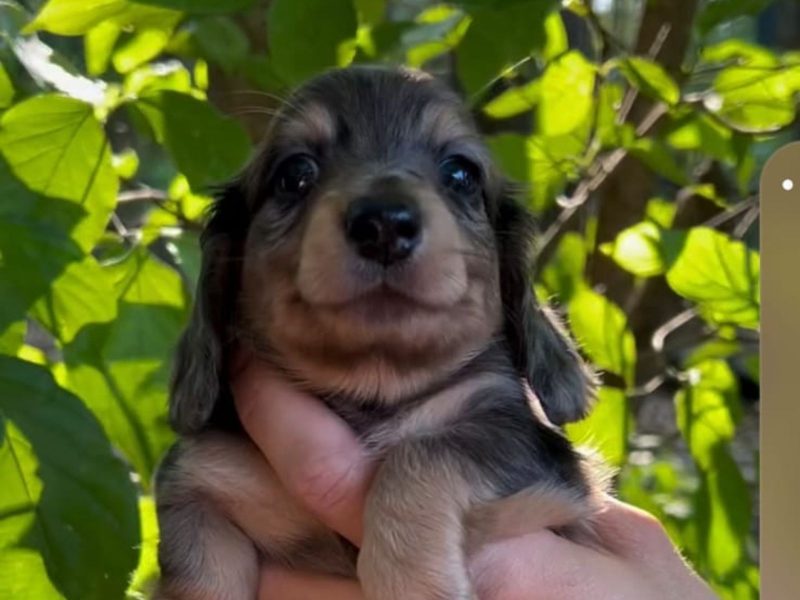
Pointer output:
372, 252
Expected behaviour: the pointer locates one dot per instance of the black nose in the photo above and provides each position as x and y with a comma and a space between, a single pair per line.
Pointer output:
384, 231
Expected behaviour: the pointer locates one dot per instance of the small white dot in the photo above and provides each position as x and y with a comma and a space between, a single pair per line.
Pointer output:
788, 185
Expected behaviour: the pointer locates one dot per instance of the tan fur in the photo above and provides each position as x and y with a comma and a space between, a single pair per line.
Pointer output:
431, 545
320, 326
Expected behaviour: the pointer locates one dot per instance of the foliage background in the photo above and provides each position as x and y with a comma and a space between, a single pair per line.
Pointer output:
638, 128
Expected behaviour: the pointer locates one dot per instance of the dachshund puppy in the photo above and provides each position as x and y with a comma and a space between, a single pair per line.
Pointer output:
372, 252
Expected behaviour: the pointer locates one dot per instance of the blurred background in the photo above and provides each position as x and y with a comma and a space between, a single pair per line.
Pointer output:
637, 131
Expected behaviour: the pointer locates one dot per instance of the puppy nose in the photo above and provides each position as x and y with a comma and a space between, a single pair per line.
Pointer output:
384, 231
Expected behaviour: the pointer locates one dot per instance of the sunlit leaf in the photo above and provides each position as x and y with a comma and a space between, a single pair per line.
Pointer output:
723, 518
566, 94
144, 46
82, 294
12, 338
701, 133
717, 272
126, 163
153, 78
606, 427
757, 92
325, 25
57, 148
563, 273
75, 17
514, 101
637, 249
661, 212
650, 78
6, 88
609, 101
121, 369
601, 328
78, 515
147, 571
708, 410
99, 44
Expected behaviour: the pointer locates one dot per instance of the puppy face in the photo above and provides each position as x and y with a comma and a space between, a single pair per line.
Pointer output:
369, 249
370, 264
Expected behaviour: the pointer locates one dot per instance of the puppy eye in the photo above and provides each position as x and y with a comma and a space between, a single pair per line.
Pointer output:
459, 175
297, 174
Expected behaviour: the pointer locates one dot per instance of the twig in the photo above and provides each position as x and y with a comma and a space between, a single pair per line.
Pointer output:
142, 195
595, 177
661, 334
633, 93
746, 222
728, 215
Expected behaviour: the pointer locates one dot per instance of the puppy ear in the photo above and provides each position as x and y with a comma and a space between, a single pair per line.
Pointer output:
541, 348
200, 362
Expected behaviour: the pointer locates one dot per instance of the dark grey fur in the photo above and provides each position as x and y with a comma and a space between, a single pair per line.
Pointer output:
497, 440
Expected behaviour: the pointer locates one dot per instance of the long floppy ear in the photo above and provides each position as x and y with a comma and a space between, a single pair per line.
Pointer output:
198, 372
542, 350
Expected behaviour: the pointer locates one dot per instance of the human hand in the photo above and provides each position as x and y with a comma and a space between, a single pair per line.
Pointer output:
319, 461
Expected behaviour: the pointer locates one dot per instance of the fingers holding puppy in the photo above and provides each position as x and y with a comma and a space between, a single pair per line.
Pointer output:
314, 453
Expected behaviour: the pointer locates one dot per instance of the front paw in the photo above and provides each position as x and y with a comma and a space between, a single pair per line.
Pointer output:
386, 575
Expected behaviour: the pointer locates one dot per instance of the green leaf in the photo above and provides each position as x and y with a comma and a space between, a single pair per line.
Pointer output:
606, 427
723, 515
435, 31
149, 79
514, 101
499, 37
609, 101
76, 17
221, 41
542, 164
56, 146
708, 409
602, 330
206, 147
121, 368
33, 255
144, 578
658, 157
370, 12
718, 273
661, 212
637, 249
13, 337
99, 44
144, 46
201, 6
82, 294
325, 26
67, 507
563, 274
756, 94
650, 78
126, 163
716, 12
700, 132
6, 88
566, 95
